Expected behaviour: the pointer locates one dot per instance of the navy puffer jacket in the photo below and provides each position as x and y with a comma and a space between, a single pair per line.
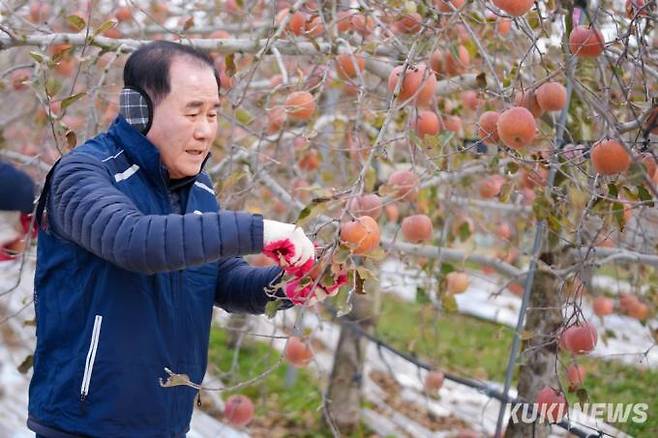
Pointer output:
125, 287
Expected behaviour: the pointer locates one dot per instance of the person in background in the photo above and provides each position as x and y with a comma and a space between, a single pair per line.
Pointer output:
16, 204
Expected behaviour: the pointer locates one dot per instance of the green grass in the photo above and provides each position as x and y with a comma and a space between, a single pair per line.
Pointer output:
281, 410
460, 344
474, 348
452, 342
612, 382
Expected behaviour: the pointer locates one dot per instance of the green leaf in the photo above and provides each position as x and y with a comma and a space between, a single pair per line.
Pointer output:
229, 62
542, 206
635, 174
431, 142
421, 296
364, 273
271, 308
370, 179
445, 137
243, 116
533, 19
342, 254
378, 121
69, 100
309, 212
449, 303
38, 57
447, 268
512, 167
507, 80
612, 190
644, 195
553, 239
464, 231
583, 396
618, 211
53, 86
76, 22
377, 254
105, 26
505, 192
629, 194
25, 366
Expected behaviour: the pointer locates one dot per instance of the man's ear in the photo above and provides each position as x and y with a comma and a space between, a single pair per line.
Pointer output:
136, 107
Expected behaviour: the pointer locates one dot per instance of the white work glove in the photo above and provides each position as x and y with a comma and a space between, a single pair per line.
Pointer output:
287, 245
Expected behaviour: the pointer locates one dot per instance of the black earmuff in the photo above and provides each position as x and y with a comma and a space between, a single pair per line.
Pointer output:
137, 108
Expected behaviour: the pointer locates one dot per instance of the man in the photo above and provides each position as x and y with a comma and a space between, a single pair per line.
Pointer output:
133, 254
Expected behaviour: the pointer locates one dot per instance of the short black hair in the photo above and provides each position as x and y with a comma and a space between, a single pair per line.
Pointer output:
147, 68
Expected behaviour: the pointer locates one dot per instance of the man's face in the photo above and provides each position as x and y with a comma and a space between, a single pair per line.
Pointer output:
185, 121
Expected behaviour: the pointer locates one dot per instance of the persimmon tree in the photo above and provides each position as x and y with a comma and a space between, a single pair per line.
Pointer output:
396, 129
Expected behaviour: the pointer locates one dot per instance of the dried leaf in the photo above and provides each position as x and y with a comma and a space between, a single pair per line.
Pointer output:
175, 380
526, 335
71, 139
189, 23
360, 283
27, 363
481, 80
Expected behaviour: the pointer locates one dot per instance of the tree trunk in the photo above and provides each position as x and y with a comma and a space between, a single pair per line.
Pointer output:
344, 391
236, 327
537, 367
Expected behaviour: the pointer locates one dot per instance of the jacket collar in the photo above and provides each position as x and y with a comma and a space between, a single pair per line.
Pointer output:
145, 154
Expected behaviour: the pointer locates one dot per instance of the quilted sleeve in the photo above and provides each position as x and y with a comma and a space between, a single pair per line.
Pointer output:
85, 207
242, 288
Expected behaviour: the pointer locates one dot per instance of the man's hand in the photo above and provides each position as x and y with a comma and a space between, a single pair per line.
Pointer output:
288, 245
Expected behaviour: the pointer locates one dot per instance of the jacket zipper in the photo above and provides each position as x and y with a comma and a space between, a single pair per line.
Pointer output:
91, 357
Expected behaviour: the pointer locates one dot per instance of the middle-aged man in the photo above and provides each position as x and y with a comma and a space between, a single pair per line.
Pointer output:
133, 252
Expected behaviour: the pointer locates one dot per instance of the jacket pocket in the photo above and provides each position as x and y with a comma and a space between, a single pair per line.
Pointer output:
91, 357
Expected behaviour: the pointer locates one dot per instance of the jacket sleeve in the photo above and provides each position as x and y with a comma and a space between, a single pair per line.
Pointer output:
241, 288
86, 208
